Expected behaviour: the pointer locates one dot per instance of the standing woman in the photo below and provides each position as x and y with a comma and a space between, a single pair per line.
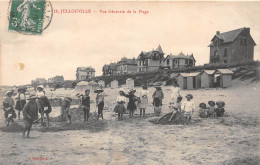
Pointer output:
143, 100
20, 100
45, 108
100, 102
157, 100
131, 106
120, 107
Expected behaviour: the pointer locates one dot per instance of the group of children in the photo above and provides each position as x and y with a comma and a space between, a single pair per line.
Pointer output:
39, 103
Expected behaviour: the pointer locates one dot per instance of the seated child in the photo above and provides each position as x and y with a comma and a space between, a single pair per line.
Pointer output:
211, 109
203, 112
188, 107
175, 107
220, 108
65, 108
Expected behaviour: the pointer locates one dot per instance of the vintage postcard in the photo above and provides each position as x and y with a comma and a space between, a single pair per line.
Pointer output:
135, 82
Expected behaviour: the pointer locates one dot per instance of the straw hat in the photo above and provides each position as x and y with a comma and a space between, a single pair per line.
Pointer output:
220, 104
9, 92
189, 95
212, 103
40, 86
202, 105
99, 90
32, 97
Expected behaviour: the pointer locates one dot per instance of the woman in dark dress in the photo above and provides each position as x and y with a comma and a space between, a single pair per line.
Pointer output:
86, 105
45, 108
131, 106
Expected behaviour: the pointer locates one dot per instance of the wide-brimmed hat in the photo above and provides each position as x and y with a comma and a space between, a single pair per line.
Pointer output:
212, 103
68, 99
7, 92
40, 86
32, 97
202, 105
189, 95
220, 104
132, 91
99, 90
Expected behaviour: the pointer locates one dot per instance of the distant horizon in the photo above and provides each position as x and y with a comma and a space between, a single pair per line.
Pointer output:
97, 39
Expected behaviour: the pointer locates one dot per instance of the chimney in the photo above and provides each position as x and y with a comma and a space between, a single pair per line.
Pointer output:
218, 32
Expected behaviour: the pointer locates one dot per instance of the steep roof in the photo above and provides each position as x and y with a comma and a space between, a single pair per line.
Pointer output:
127, 61
159, 49
224, 71
149, 54
83, 68
181, 55
209, 71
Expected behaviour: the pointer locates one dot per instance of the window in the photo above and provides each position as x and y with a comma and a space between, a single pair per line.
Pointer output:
168, 62
125, 67
245, 42
186, 61
225, 61
225, 52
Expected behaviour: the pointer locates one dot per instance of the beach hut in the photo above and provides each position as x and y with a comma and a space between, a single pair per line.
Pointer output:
223, 78
207, 78
101, 83
182, 80
193, 80
130, 83
81, 87
114, 84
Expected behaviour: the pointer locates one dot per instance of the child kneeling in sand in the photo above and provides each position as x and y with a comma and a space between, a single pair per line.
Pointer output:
188, 107
211, 109
65, 108
176, 107
203, 112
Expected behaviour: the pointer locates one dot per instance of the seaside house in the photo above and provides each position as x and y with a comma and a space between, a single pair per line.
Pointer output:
126, 66
83, 73
110, 69
232, 47
179, 61
150, 61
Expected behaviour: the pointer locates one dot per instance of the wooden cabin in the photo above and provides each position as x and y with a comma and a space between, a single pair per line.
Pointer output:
130, 83
207, 79
223, 78
114, 84
182, 80
193, 80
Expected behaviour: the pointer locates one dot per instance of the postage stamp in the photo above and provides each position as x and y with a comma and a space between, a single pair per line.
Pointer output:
26, 16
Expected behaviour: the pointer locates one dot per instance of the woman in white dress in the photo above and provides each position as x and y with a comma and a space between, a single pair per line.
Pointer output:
143, 100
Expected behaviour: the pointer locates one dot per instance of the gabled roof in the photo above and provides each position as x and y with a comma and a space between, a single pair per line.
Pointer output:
193, 74
159, 49
83, 68
230, 36
126, 61
224, 71
181, 55
149, 54
210, 72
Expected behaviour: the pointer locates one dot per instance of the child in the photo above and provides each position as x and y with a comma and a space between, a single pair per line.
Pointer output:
8, 105
45, 107
220, 108
203, 110
143, 99
211, 109
157, 100
131, 106
20, 100
176, 107
120, 108
100, 102
65, 108
29, 112
86, 105
40, 92
188, 107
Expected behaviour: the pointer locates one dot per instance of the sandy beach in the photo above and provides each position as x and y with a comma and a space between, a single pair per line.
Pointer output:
233, 139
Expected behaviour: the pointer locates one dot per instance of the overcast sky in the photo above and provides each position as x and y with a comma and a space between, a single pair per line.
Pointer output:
96, 39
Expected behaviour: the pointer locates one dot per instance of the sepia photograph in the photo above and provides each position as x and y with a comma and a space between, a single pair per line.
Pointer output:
129, 82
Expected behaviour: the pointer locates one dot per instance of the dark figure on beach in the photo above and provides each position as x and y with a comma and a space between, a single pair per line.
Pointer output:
143, 100
8, 107
157, 100
20, 100
100, 102
29, 112
131, 106
85, 101
45, 108
211, 109
120, 107
65, 109
220, 108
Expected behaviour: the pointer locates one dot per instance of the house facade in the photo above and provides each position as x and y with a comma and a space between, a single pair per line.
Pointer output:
56, 79
109, 70
83, 73
179, 61
150, 61
232, 47
126, 66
